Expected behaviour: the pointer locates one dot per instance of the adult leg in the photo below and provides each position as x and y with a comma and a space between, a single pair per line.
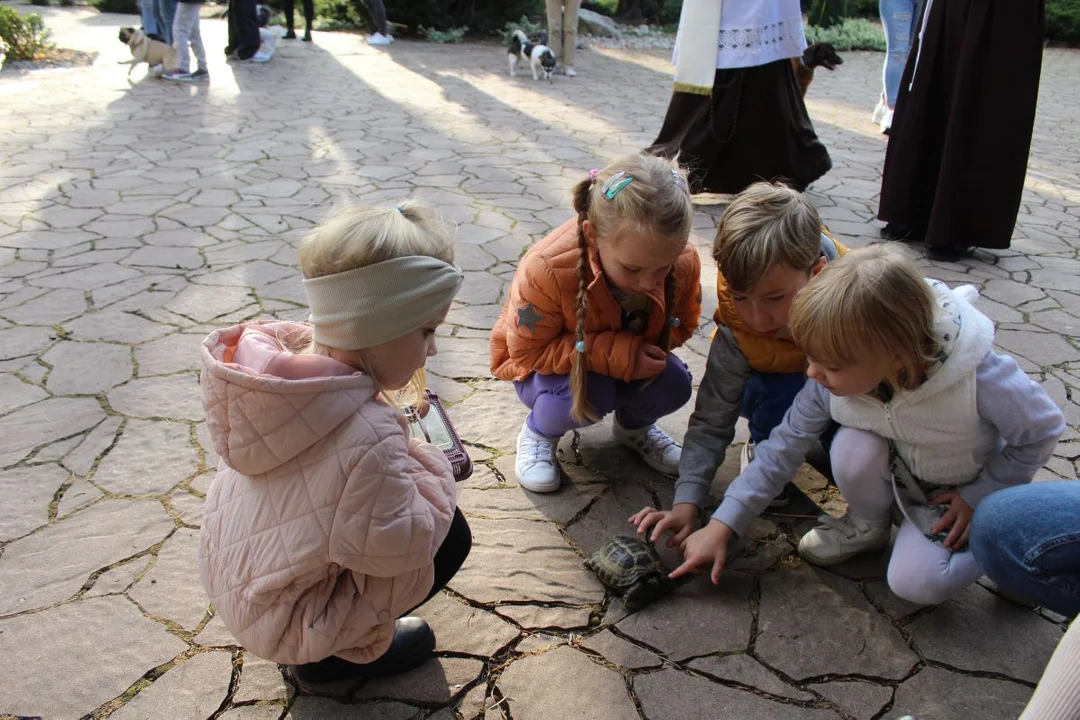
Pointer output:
897, 19
187, 14
290, 10
148, 17
247, 29
167, 11
309, 17
926, 573
1027, 540
555, 26
197, 46
569, 36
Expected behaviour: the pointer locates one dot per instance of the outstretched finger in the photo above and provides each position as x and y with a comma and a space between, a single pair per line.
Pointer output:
688, 566
637, 517
679, 537
717, 569
660, 528
947, 521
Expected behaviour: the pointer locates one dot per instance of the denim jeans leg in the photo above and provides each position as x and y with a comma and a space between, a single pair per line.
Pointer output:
766, 398
899, 19
1027, 540
149, 18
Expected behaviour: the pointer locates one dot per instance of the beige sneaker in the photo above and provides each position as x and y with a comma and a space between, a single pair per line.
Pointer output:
655, 447
835, 541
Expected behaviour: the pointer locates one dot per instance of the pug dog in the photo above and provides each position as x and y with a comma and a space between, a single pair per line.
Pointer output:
144, 50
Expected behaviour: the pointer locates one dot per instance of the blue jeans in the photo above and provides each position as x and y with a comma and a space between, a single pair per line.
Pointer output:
766, 398
1027, 540
147, 12
901, 21
166, 14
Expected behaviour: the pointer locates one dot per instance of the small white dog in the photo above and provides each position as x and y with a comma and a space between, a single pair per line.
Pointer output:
539, 56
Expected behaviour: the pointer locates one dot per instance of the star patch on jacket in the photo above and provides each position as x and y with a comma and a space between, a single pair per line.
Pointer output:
528, 317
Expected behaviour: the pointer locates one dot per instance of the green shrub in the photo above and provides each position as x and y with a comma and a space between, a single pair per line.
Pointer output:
849, 34
126, 7
453, 36
340, 15
484, 18
524, 24
40, 3
1063, 21
26, 35
669, 14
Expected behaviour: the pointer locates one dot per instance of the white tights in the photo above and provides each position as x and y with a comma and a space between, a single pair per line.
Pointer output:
920, 570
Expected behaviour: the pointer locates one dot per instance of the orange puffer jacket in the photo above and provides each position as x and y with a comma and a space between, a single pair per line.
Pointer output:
536, 330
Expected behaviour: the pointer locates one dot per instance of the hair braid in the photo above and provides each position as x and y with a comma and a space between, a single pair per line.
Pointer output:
580, 410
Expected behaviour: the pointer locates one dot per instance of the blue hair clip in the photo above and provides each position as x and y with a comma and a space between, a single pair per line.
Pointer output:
580, 346
399, 211
616, 183
674, 322
680, 181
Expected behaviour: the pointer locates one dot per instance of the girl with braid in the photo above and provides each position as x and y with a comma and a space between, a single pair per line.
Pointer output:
593, 312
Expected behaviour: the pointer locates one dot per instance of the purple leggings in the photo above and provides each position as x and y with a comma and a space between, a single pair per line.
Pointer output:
636, 404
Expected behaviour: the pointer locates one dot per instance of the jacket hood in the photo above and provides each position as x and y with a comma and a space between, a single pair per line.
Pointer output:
265, 405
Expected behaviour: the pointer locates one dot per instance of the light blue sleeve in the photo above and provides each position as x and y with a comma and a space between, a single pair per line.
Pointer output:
776, 459
1027, 419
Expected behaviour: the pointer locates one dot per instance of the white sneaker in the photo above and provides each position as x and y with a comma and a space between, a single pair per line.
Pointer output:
260, 57
570, 72
746, 456
655, 447
879, 110
834, 540
536, 467
886, 122
379, 39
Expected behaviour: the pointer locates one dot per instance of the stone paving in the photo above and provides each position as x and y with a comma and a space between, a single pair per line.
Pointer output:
137, 216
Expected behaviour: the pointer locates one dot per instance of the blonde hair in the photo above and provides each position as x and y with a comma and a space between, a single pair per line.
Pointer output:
870, 305
357, 236
766, 224
655, 203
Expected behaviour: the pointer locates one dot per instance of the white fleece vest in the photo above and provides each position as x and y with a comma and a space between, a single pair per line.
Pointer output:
936, 427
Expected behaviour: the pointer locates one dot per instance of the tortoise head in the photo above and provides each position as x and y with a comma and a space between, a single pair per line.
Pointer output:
646, 591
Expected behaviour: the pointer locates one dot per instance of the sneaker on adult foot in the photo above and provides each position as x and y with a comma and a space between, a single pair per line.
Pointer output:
536, 467
200, 73
879, 110
655, 447
379, 39
260, 57
886, 122
178, 75
290, 35
570, 72
835, 540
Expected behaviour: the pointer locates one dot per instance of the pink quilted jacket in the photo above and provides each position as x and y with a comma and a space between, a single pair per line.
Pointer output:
323, 520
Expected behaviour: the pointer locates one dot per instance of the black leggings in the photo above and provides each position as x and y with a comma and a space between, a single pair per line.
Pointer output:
309, 13
450, 556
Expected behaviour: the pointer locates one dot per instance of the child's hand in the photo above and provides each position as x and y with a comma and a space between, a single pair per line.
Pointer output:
681, 520
709, 544
958, 517
650, 362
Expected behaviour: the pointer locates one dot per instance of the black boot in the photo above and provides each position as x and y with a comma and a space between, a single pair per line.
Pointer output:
412, 646
291, 35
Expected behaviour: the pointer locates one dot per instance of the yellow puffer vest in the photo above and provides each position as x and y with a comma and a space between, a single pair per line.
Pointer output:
767, 355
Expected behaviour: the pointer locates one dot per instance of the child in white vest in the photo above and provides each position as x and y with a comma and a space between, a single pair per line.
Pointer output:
932, 421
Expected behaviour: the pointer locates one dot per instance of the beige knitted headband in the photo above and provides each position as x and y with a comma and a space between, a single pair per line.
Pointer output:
372, 305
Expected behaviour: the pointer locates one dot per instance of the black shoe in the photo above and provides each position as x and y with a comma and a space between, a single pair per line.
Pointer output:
949, 253
901, 233
291, 35
229, 50
784, 498
307, 36
412, 646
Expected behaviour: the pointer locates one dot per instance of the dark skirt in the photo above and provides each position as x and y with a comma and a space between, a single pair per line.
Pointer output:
753, 127
958, 149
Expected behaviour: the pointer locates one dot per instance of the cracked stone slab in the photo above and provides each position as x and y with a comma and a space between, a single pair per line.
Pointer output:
936, 694
77, 495
534, 617
621, 652
261, 680
16, 394
81, 459
172, 589
27, 493
193, 690
52, 564
813, 623
674, 695
860, 699
491, 419
252, 712
22, 341
697, 619
62, 648
462, 628
742, 668
87, 368
522, 560
308, 708
46, 422
150, 457
514, 502
170, 354
176, 397
463, 358
119, 578
568, 678
955, 633
117, 326
435, 681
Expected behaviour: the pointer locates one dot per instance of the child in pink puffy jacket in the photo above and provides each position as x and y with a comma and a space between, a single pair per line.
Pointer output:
326, 524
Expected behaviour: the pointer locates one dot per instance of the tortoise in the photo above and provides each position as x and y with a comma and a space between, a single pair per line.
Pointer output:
631, 566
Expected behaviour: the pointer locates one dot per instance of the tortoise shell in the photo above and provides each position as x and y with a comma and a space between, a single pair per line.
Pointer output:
624, 561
